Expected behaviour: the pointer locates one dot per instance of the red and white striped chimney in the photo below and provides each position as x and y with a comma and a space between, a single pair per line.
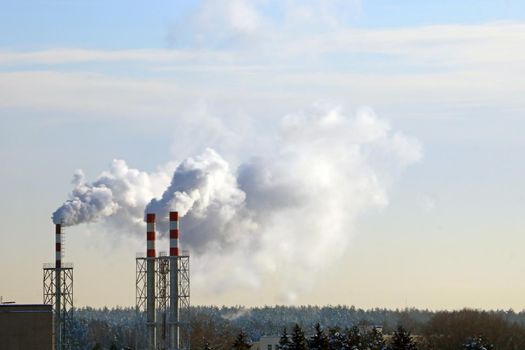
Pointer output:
174, 281
58, 246
58, 285
150, 235
174, 233
150, 281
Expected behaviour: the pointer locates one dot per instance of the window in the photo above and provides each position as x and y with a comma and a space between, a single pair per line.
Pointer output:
269, 346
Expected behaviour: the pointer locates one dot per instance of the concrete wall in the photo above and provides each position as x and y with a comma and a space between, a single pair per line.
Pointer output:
24, 327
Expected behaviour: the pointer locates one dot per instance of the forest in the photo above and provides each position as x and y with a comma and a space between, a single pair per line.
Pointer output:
311, 328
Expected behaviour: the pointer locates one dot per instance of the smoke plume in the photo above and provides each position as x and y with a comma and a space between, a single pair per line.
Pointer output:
277, 216
119, 194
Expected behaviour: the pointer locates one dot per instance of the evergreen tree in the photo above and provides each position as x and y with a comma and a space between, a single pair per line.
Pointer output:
319, 340
298, 339
206, 346
284, 342
336, 339
354, 339
477, 343
241, 342
113, 347
97, 347
373, 340
402, 340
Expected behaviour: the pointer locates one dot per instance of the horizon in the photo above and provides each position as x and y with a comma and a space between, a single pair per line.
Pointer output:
299, 306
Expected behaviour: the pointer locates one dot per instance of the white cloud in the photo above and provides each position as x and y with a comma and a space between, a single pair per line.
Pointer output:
218, 24
319, 14
242, 16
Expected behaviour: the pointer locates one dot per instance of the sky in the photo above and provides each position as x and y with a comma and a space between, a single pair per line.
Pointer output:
429, 93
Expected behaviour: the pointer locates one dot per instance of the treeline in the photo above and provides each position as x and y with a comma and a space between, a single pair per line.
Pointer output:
354, 338
271, 319
218, 327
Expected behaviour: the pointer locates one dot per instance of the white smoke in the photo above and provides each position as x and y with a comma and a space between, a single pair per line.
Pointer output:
205, 191
119, 194
281, 216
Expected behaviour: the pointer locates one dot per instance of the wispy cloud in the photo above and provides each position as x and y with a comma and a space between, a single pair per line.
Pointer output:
437, 45
76, 55
434, 46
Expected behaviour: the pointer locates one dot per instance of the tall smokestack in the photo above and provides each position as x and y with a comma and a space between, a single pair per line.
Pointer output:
174, 280
58, 285
150, 280
58, 246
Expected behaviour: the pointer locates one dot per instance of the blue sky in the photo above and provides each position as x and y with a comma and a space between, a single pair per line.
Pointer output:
83, 83
124, 24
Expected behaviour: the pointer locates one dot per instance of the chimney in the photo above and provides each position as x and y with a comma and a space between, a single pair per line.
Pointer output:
174, 233
58, 285
174, 281
150, 280
150, 236
58, 246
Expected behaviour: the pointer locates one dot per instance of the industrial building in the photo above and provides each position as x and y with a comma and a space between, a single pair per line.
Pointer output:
162, 291
26, 326
266, 342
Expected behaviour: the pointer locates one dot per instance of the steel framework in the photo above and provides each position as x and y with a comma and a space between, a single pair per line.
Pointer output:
64, 310
184, 299
141, 290
162, 295
162, 268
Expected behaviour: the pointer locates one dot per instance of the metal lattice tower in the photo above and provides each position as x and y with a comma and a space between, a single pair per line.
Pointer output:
162, 300
162, 294
58, 292
184, 299
140, 291
184, 281
64, 310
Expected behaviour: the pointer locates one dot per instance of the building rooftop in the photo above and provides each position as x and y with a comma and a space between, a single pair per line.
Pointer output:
10, 307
